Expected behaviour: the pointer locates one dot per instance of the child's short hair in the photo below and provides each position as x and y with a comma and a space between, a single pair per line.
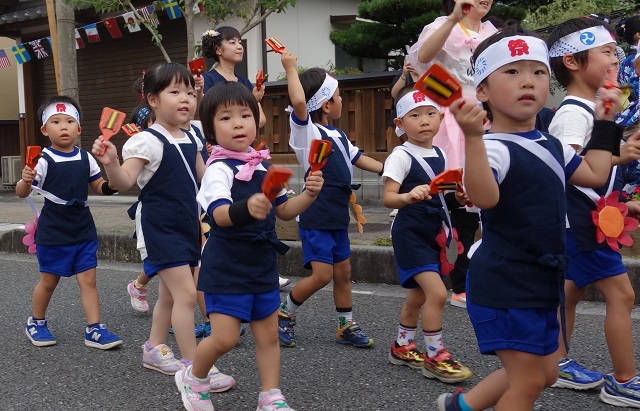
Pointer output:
311, 81
628, 29
58, 99
225, 94
211, 41
406, 89
160, 76
141, 115
582, 57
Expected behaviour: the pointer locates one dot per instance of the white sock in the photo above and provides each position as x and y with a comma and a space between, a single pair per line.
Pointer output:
289, 307
433, 341
406, 335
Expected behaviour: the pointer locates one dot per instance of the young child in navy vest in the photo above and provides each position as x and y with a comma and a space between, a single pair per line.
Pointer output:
165, 162
407, 173
315, 100
516, 176
66, 236
581, 68
238, 272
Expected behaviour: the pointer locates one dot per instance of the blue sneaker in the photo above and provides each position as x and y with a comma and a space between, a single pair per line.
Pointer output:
449, 402
352, 334
573, 375
206, 329
39, 333
285, 329
99, 337
197, 329
242, 329
626, 394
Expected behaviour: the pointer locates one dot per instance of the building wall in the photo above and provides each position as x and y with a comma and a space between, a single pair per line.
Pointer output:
9, 81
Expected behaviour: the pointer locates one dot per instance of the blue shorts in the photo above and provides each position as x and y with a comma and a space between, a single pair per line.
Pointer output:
587, 267
150, 269
246, 307
530, 330
406, 275
67, 260
325, 246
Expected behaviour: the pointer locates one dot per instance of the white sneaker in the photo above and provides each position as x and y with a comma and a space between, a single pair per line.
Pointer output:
283, 281
138, 297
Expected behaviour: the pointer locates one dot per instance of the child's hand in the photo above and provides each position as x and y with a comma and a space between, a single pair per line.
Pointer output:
313, 183
258, 94
199, 83
209, 147
418, 193
469, 116
462, 198
612, 97
458, 10
630, 150
289, 60
259, 206
110, 155
28, 174
634, 208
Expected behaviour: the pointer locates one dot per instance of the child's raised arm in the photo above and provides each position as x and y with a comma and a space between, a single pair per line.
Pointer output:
296, 92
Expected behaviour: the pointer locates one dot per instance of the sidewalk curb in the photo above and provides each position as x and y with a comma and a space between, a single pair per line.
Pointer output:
122, 248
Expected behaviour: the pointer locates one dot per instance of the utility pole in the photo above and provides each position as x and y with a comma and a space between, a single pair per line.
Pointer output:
67, 61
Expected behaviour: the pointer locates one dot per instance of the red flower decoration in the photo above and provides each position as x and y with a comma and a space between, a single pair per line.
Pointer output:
612, 223
30, 239
441, 239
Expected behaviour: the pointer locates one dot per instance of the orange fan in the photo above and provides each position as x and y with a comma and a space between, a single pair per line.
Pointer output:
110, 122
197, 66
275, 45
318, 154
260, 79
356, 212
274, 181
610, 82
33, 155
439, 85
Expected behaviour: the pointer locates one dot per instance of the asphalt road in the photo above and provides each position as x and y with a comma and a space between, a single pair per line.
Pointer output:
318, 375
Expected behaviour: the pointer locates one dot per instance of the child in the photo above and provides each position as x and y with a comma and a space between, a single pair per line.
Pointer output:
238, 288
581, 68
408, 171
516, 175
66, 236
316, 100
166, 163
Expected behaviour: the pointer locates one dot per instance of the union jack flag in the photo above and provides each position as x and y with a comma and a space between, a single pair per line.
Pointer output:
4, 60
38, 49
148, 13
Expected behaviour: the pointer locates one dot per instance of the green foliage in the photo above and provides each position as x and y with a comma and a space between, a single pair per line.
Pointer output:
330, 67
559, 11
251, 12
383, 242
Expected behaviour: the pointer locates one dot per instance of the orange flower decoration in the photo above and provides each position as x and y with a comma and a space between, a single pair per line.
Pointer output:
441, 239
612, 223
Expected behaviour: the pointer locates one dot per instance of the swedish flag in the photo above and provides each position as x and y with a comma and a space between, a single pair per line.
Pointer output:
172, 9
21, 54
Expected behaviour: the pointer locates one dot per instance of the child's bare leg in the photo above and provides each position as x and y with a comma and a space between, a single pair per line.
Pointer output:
199, 294
218, 343
488, 391
42, 294
161, 318
321, 275
142, 279
410, 312
572, 296
435, 297
89, 295
342, 284
619, 297
265, 334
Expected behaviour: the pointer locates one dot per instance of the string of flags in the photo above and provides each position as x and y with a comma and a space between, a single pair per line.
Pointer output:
41, 48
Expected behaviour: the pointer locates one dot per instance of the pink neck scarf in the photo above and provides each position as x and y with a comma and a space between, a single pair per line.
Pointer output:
252, 158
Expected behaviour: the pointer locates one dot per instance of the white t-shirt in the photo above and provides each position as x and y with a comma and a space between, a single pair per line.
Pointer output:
573, 124
398, 164
59, 157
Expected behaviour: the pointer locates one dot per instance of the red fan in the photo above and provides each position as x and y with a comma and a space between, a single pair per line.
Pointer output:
260, 79
197, 66
275, 45
274, 181
439, 85
319, 151
33, 155
110, 122
447, 180
610, 82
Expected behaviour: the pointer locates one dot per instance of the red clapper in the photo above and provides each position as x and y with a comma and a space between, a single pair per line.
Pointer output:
275, 45
197, 66
610, 82
33, 155
319, 152
110, 122
439, 85
260, 79
447, 180
274, 181
131, 129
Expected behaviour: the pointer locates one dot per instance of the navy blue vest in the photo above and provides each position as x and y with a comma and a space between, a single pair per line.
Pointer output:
71, 223
170, 220
521, 261
203, 152
241, 260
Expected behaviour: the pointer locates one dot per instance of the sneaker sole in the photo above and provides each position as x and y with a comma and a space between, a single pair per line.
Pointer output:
93, 344
396, 361
224, 389
151, 367
576, 386
618, 401
428, 374
290, 345
442, 402
457, 303
345, 342
40, 343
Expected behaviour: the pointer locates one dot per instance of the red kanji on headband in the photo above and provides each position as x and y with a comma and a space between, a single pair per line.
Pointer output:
419, 97
518, 47
61, 108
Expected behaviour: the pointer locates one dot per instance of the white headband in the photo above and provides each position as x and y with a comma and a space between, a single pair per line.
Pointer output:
506, 51
60, 108
582, 40
326, 91
410, 101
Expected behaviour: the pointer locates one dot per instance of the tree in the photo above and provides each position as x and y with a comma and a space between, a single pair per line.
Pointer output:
558, 11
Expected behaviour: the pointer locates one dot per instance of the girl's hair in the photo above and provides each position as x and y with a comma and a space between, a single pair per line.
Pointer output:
211, 43
582, 57
58, 99
448, 6
311, 81
225, 94
141, 115
160, 76
628, 29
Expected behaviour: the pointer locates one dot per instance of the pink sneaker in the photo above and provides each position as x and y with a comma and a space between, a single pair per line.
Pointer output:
272, 401
138, 297
160, 358
195, 395
220, 382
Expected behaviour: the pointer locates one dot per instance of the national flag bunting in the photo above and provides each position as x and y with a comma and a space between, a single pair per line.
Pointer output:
112, 27
148, 13
198, 8
38, 49
131, 22
172, 9
21, 54
92, 33
4, 60
79, 41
